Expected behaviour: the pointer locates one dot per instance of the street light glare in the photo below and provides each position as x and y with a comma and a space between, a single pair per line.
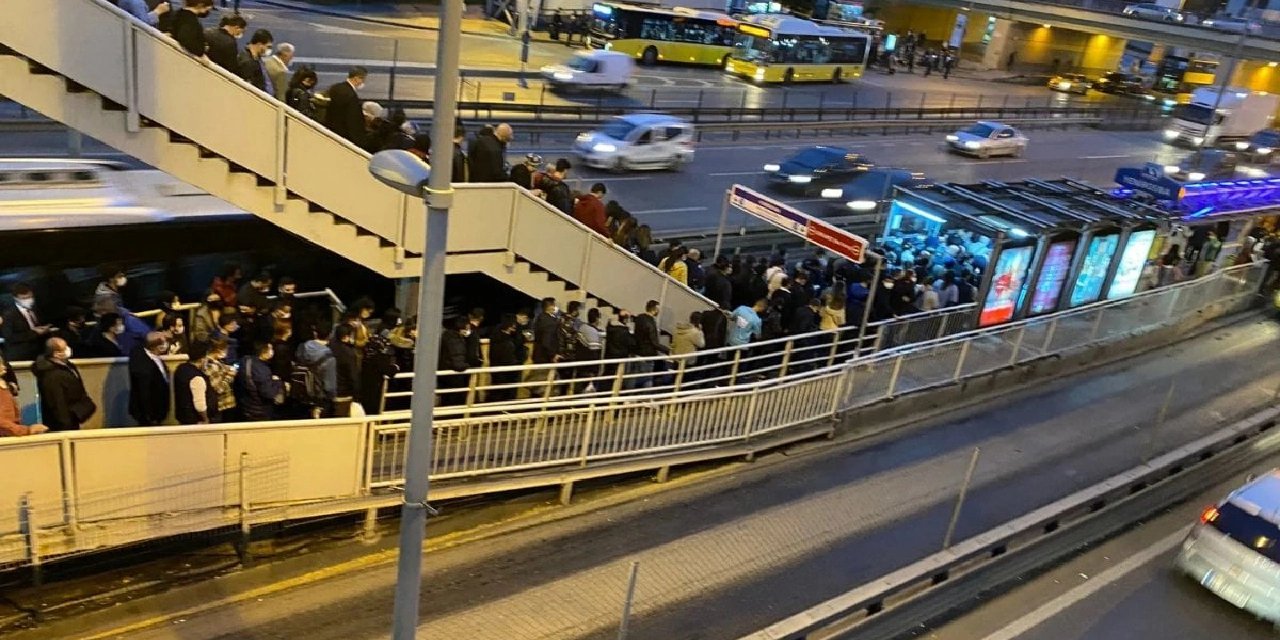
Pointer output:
400, 170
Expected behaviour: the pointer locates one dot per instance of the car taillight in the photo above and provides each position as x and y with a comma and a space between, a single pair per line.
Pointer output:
1208, 515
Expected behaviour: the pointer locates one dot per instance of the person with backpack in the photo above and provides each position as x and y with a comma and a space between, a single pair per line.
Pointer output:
313, 383
257, 390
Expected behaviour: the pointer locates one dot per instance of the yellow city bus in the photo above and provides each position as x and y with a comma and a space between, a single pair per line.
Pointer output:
1177, 77
780, 48
653, 35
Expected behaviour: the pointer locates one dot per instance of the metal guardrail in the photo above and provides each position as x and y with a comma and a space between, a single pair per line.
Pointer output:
896, 604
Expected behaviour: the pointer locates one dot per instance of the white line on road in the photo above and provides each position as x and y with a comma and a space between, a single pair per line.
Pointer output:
680, 210
734, 173
1084, 590
1111, 157
351, 62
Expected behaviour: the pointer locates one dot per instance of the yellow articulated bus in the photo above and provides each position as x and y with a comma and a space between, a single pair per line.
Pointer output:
652, 35
781, 48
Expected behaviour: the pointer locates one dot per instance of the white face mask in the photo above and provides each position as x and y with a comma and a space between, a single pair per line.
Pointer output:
66, 355
118, 329
465, 332
888, 285
121, 281
25, 303
177, 331
555, 310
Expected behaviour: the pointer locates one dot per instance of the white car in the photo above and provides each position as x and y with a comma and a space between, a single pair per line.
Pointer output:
1232, 551
1153, 11
637, 141
1233, 25
987, 138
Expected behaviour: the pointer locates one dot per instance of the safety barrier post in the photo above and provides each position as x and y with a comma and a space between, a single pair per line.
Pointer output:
281, 196
245, 528
835, 347
893, 380
30, 530
132, 119
585, 449
1048, 336
733, 370
1097, 324
786, 358
1017, 345
684, 361
942, 326
964, 353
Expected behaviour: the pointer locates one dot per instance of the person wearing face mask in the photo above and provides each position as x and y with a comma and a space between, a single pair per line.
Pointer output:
379, 362
257, 390
278, 71
20, 326
64, 403
453, 357
252, 63
346, 369
546, 335
619, 343
106, 297
195, 401
223, 50
106, 343
254, 292
168, 302
205, 323
344, 115
503, 352
149, 381
175, 332
186, 29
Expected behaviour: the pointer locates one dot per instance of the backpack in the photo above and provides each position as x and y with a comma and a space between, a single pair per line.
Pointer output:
305, 383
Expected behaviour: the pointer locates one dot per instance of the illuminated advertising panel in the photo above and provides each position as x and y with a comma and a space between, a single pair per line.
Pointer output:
1132, 261
1057, 265
1006, 286
1093, 273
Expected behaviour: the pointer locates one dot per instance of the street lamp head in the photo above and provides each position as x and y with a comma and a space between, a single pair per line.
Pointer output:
400, 170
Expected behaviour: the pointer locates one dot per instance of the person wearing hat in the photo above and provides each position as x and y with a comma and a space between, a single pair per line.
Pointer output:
522, 174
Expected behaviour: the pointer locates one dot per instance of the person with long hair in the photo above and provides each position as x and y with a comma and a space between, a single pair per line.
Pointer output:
299, 95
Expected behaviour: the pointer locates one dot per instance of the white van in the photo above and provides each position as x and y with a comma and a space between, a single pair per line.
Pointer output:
592, 69
1233, 550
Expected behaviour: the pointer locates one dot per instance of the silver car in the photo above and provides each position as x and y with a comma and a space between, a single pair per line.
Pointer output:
1233, 552
986, 138
1233, 25
1153, 11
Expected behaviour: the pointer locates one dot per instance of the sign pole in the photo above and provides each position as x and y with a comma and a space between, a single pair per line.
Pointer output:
724, 214
871, 299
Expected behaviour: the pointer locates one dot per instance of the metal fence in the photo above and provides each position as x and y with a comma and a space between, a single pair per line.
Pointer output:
181, 480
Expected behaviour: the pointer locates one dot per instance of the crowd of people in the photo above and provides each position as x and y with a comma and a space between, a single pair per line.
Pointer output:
253, 353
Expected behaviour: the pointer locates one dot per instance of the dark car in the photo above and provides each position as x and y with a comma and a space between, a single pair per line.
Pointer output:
870, 192
1206, 164
1260, 148
813, 169
1119, 83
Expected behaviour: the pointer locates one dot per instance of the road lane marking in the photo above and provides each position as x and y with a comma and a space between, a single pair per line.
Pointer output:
1095, 584
677, 210
735, 173
328, 28
352, 62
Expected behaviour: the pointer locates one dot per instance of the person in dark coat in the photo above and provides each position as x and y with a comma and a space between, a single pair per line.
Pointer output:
344, 115
256, 388
717, 286
64, 403
648, 342
186, 29
522, 174
503, 353
558, 193
619, 343
195, 401
453, 357
252, 63
546, 336
379, 362
221, 40
475, 356
20, 326
347, 369
461, 164
488, 152
149, 381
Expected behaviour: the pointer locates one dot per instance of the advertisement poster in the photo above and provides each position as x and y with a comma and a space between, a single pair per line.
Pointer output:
1057, 264
1006, 286
1094, 270
1132, 261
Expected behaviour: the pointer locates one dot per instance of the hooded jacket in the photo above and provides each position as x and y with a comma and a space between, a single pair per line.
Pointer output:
317, 357
687, 339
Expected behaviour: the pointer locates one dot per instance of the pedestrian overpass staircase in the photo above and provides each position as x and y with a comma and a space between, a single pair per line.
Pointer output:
91, 66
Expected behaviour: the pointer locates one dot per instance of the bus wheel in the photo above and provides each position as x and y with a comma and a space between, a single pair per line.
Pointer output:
649, 57
838, 76
789, 76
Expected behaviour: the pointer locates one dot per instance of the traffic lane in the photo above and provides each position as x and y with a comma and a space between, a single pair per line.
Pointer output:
691, 199
1121, 589
893, 496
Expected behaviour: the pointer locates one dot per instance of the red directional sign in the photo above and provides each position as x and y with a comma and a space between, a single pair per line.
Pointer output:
787, 218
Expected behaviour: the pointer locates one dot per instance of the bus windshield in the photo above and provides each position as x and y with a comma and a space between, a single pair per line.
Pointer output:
752, 48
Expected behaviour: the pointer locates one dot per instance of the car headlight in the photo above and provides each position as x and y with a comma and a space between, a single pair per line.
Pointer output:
1147, 96
1241, 146
972, 144
861, 205
1170, 134
562, 75
1198, 139
584, 137
772, 168
1172, 168
800, 179
1064, 85
1195, 176
1263, 150
951, 137
603, 147
833, 193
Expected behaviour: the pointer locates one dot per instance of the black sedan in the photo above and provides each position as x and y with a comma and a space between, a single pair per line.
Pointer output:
813, 169
870, 192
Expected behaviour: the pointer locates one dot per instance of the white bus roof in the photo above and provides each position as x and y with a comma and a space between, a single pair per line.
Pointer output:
683, 12
782, 24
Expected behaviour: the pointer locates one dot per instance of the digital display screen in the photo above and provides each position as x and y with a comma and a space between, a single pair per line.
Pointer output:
1053, 274
1094, 270
1132, 261
1007, 281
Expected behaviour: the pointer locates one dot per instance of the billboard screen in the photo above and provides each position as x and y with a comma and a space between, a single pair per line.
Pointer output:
1053, 274
1007, 281
1132, 261
1094, 270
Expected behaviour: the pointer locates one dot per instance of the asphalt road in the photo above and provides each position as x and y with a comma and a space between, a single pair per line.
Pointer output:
730, 555
1123, 589
691, 199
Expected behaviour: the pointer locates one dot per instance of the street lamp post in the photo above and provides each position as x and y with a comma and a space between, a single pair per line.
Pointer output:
405, 172
1223, 85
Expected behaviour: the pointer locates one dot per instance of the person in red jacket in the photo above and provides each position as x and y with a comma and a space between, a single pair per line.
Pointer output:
589, 210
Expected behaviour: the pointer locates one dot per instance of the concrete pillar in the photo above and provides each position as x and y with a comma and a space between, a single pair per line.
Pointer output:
996, 54
406, 294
